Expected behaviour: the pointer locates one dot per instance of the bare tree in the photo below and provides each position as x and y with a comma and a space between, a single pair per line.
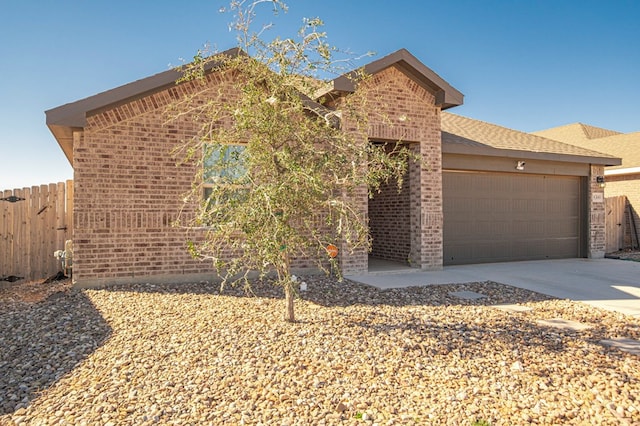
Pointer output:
279, 171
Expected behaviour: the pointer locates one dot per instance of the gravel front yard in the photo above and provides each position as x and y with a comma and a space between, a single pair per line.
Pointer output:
188, 355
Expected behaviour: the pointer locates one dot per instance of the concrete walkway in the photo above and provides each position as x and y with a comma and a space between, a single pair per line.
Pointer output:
605, 283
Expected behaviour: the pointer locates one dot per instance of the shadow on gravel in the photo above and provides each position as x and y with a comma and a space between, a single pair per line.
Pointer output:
326, 291
41, 342
415, 332
350, 293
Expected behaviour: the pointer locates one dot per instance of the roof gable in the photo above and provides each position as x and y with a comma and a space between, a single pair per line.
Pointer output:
446, 95
74, 114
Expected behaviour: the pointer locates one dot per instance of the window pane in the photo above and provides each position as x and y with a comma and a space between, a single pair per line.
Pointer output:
224, 162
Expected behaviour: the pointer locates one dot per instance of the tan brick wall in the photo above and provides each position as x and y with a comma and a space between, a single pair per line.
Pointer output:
597, 235
390, 222
129, 191
629, 186
405, 111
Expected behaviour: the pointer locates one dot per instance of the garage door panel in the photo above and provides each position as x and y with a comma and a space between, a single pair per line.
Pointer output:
461, 251
493, 217
564, 247
461, 204
533, 249
525, 228
562, 207
562, 228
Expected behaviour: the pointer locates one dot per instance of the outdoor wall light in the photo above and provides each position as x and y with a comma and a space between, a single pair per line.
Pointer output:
600, 181
520, 165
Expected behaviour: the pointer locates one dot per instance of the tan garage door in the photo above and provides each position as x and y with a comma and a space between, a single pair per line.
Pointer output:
498, 217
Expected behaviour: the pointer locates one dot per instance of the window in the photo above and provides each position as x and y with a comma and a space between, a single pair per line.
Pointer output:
223, 165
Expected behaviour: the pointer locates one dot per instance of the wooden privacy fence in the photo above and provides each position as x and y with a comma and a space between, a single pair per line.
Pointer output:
615, 223
621, 228
35, 223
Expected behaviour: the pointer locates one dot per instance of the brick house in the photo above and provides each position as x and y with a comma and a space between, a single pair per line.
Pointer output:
622, 179
482, 193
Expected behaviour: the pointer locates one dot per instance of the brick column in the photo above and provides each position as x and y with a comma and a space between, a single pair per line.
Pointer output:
426, 201
597, 215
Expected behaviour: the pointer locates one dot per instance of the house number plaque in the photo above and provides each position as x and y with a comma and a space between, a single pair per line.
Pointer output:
597, 197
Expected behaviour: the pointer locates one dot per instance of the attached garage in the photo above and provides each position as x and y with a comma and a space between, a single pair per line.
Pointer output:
497, 217
510, 196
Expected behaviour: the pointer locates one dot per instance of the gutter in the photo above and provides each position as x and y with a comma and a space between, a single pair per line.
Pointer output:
627, 171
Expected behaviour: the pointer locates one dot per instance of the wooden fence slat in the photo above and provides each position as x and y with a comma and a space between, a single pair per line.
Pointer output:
50, 244
36, 231
6, 236
32, 229
69, 210
21, 248
60, 212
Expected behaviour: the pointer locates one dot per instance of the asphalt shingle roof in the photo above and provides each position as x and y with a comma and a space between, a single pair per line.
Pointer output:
575, 133
459, 133
623, 145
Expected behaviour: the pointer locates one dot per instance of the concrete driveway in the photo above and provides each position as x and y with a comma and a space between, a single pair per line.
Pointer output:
605, 283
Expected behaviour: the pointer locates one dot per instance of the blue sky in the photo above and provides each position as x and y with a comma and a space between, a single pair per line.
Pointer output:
528, 65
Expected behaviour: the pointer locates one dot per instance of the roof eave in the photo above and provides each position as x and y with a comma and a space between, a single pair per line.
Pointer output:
64, 137
452, 148
74, 114
64, 120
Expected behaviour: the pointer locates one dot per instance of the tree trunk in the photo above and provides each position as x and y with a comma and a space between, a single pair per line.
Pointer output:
288, 295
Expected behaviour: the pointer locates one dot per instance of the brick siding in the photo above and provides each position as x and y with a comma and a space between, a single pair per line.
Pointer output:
128, 191
597, 236
390, 222
129, 188
406, 111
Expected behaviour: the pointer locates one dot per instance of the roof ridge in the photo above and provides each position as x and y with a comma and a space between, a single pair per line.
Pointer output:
595, 132
574, 124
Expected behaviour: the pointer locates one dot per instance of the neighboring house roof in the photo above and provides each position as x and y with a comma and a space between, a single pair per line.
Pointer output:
462, 135
575, 133
623, 145
446, 95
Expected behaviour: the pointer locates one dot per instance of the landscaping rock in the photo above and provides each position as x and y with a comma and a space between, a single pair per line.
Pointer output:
190, 354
